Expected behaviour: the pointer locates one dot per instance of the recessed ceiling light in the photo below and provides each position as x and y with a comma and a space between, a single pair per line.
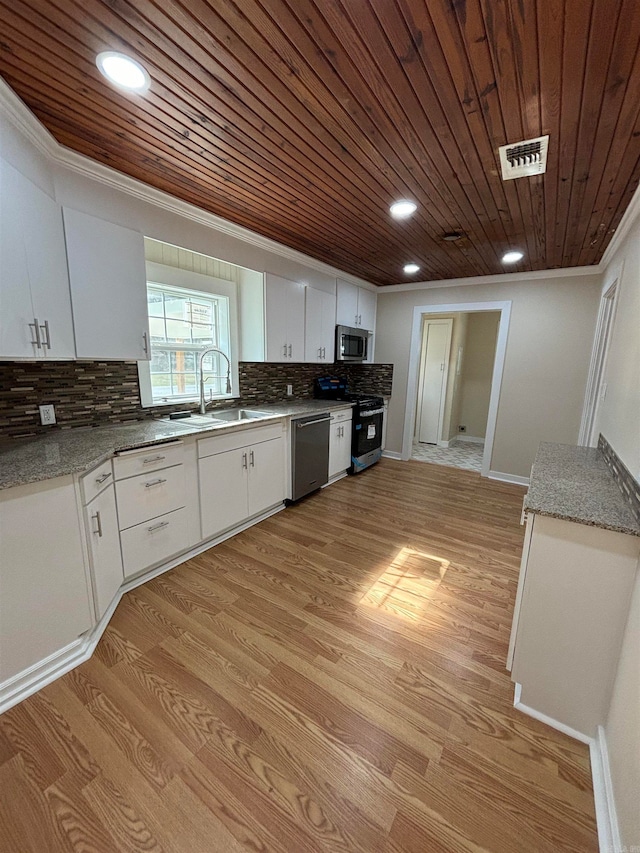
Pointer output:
512, 257
403, 208
452, 236
123, 71
410, 268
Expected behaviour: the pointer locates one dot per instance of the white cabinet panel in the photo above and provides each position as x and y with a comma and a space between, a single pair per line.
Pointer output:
35, 305
223, 491
266, 475
284, 314
366, 309
320, 310
339, 447
347, 304
148, 544
147, 496
44, 600
108, 288
103, 540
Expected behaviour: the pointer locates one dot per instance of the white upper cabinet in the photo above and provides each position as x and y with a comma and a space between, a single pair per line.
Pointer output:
284, 314
108, 288
319, 326
35, 306
356, 307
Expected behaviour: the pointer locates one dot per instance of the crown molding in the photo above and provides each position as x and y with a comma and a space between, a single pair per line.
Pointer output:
19, 114
621, 232
501, 278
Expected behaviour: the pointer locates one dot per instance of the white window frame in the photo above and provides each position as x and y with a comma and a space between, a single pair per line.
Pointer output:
194, 283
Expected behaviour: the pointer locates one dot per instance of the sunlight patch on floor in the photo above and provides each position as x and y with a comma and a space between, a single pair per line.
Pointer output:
408, 585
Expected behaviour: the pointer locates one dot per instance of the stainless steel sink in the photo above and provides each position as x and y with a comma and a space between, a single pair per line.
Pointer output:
232, 415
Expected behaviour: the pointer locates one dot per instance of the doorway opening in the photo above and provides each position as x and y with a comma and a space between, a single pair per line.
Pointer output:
454, 388
456, 362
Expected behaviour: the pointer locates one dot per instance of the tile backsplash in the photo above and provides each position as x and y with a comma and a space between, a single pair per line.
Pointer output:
95, 393
629, 486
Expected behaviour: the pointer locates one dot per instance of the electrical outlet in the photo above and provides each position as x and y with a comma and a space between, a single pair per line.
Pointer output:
289, 390
47, 415
462, 428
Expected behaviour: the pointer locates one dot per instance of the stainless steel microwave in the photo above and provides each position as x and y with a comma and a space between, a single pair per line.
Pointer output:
351, 344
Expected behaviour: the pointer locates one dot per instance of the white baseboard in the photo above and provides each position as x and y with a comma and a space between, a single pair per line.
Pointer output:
443, 443
606, 817
609, 839
472, 439
549, 721
508, 478
28, 682
391, 454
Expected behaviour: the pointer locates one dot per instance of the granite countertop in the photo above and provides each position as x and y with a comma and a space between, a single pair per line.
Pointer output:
576, 484
75, 451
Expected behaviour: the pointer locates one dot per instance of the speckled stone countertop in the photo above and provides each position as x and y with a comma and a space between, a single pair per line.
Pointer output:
74, 451
576, 484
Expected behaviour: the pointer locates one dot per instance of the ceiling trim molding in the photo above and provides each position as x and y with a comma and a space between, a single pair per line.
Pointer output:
621, 232
19, 114
502, 278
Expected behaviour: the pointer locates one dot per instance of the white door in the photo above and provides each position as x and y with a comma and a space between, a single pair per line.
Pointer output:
101, 523
276, 318
108, 288
328, 311
433, 386
266, 475
313, 325
223, 491
295, 321
339, 448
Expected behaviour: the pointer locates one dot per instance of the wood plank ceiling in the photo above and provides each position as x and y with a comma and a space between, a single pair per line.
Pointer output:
303, 120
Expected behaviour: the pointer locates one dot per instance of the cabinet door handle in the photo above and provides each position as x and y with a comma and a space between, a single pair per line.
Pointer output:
152, 459
355, 323
46, 337
36, 330
159, 526
319, 352
324, 352
359, 319
145, 343
284, 350
96, 517
252, 460
290, 348
244, 460
151, 483
100, 480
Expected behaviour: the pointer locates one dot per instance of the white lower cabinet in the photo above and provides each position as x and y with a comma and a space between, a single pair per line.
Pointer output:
569, 619
153, 541
239, 482
44, 589
340, 443
103, 542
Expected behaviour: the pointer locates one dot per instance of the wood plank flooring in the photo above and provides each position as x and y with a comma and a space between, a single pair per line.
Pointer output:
329, 680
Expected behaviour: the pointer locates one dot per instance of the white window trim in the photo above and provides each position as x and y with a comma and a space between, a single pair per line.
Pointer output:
195, 282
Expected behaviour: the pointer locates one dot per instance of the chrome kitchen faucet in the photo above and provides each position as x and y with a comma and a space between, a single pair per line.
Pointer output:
203, 404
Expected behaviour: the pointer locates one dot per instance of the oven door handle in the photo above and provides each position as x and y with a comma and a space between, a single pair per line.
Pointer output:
370, 412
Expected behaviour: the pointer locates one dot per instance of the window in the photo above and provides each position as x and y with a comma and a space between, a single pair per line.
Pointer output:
182, 323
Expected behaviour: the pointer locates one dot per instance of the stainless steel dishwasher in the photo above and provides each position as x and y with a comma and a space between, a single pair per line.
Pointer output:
310, 453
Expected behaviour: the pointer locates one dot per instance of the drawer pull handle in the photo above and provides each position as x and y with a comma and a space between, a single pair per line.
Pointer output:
154, 483
155, 527
100, 480
152, 459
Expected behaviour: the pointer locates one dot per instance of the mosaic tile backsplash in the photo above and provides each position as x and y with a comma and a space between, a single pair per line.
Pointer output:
629, 486
95, 393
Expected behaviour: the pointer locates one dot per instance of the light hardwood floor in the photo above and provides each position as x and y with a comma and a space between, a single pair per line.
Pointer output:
330, 680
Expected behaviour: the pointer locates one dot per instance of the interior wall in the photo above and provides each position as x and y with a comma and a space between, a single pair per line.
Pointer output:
546, 360
618, 419
479, 350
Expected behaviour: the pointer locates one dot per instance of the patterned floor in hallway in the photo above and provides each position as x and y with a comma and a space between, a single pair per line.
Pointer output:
461, 454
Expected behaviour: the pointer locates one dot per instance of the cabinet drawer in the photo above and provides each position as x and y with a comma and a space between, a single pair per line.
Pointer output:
238, 438
341, 416
147, 496
96, 481
141, 461
150, 543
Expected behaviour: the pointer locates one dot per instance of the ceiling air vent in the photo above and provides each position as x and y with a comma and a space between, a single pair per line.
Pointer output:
524, 158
